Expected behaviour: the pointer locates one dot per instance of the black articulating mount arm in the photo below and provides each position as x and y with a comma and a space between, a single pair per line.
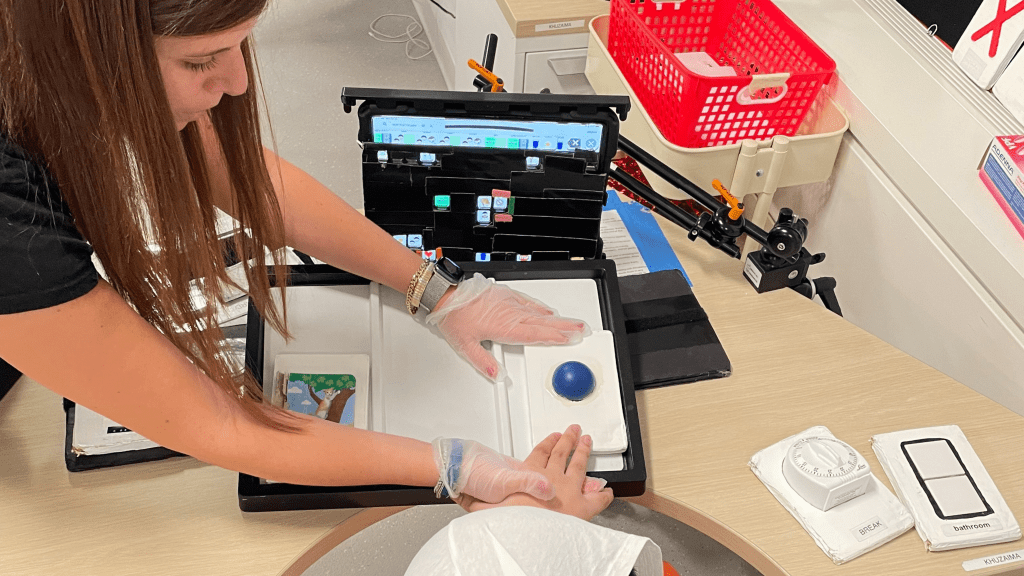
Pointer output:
782, 261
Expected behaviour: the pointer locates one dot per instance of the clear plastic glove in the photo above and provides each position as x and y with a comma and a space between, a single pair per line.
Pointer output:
562, 459
481, 310
472, 469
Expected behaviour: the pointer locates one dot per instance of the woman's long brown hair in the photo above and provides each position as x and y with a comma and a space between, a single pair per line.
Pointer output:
81, 90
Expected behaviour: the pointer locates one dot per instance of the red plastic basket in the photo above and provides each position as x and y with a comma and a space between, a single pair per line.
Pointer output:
778, 69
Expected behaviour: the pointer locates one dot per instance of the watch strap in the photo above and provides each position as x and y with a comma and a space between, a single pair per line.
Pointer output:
437, 285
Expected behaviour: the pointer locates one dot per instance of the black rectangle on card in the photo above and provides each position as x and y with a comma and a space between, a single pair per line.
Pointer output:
977, 504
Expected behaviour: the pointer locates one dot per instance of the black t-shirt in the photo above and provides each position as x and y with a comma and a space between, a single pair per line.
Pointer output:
44, 261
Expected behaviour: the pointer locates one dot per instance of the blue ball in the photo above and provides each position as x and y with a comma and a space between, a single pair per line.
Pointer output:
573, 381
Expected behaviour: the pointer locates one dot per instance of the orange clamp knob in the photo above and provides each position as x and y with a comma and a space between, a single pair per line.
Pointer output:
496, 84
737, 209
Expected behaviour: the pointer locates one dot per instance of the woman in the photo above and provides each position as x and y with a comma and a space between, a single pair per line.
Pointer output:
123, 124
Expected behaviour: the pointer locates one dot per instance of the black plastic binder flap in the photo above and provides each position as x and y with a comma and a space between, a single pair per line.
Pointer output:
660, 312
563, 207
8, 376
576, 247
76, 462
671, 340
382, 198
489, 163
460, 254
566, 164
534, 182
387, 219
555, 107
456, 185
551, 226
461, 222
465, 158
596, 195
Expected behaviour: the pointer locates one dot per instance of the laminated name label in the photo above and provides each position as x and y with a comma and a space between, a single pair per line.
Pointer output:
994, 560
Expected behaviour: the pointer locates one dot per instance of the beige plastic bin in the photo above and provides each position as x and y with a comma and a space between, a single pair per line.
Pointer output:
744, 168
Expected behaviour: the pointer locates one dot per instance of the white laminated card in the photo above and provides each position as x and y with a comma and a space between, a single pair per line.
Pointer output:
937, 474
845, 531
991, 40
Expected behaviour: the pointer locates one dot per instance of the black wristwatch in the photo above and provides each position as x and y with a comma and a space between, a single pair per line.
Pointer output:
446, 273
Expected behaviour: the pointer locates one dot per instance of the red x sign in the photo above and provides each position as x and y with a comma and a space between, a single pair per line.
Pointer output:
996, 26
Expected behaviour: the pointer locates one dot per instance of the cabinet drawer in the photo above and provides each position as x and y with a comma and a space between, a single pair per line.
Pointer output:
561, 71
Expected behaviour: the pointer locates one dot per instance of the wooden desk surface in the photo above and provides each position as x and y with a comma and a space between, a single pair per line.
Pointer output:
523, 16
177, 516
795, 366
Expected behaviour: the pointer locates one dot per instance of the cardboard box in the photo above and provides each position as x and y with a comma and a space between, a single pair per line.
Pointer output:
1002, 171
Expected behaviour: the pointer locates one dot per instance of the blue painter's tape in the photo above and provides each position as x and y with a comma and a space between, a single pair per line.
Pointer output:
647, 235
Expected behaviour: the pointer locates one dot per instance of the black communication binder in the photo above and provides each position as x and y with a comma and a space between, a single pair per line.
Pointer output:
671, 340
76, 462
8, 376
487, 176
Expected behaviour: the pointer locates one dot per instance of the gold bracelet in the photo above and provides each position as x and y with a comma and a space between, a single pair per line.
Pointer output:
417, 285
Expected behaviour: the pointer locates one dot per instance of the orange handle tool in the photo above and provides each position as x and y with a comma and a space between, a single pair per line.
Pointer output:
496, 84
737, 210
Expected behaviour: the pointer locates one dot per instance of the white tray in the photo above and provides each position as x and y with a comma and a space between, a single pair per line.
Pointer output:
419, 387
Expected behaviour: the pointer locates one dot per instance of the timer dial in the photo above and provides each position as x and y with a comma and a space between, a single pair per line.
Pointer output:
825, 471
824, 457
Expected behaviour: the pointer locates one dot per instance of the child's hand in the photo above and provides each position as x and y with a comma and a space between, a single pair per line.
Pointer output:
575, 493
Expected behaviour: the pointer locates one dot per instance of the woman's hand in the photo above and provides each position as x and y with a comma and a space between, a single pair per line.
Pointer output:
575, 493
470, 469
481, 310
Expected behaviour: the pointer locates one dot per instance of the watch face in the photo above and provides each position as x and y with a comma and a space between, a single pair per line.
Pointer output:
449, 270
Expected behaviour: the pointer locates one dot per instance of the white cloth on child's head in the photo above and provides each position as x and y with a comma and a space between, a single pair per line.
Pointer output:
527, 541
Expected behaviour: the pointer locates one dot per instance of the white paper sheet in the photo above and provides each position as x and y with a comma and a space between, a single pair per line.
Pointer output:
619, 245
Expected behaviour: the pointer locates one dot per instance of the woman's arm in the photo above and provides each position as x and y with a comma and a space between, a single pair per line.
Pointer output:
96, 351
323, 225
319, 223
